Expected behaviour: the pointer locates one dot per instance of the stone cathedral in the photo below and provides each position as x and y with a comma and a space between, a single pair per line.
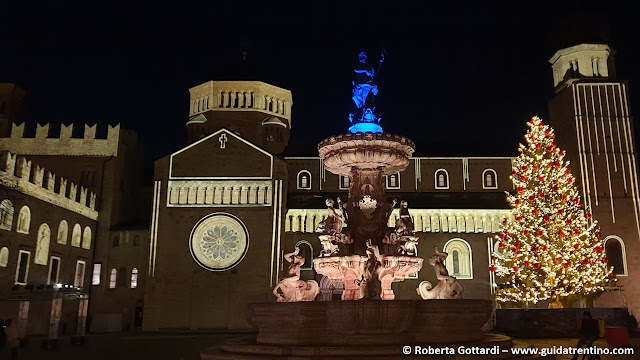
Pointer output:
226, 207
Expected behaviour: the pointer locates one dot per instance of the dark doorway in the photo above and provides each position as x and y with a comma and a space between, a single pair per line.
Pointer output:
137, 322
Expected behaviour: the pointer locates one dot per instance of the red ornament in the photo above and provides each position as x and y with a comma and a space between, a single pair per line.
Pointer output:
526, 232
598, 234
534, 212
553, 135
562, 234
492, 268
568, 222
564, 198
515, 268
504, 222
535, 168
565, 265
561, 153
576, 246
545, 219
544, 247
555, 189
541, 178
527, 263
546, 132
576, 233
554, 144
525, 168
592, 263
520, 190
517, 202
538, 146
560, 212
541, 195
501, 245
540, 124
532, 198
604, 260
534, 249
523, 178
540, 233
516, 250
514, 173
585, 262
569, 180
532, 138
588, 216
501, 236
580, 204
550, 164
519, 218
548, 149
536, 265
558, 260
557, 165
612, 275
567, 172
517, 244
597, 249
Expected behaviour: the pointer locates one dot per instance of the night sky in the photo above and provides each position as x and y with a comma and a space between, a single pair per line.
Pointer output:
459, 79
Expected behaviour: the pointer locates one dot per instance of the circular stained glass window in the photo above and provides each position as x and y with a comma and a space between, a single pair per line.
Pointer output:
219, 241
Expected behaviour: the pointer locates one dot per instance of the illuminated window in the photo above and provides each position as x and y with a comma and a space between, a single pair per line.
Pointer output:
22, 269
442, 179
393, 181
113, 277
79, 278
136, 240
76, 236
489, 179
615, 253
24, 220
6, 214
134, 278
63, 231
54, 270
304, 180
95, 276
116, 241
345, 182
4, 256
458, 261
86, 238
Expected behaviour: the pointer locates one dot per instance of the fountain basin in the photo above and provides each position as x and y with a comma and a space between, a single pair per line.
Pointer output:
369, 322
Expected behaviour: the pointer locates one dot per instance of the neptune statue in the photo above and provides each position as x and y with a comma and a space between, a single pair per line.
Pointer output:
365, 89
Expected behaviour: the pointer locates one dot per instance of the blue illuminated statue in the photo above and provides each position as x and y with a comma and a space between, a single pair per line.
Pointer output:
365, 89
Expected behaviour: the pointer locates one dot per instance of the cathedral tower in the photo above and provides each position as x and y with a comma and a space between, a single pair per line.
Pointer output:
590, 112
259, 112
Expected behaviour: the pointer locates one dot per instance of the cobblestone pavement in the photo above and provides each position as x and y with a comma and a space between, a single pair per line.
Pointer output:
187, 346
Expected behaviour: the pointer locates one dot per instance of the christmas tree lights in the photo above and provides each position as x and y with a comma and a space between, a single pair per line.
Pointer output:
552, 248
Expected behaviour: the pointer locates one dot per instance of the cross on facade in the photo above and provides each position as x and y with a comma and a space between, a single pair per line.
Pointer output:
223, 141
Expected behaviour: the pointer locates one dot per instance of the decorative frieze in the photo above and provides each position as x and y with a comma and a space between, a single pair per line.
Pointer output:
205, 193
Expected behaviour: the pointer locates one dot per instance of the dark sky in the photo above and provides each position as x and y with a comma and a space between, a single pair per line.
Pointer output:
459, 78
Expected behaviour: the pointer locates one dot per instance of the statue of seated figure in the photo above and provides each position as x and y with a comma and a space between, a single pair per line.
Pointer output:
291, 288
404, 224
333, 223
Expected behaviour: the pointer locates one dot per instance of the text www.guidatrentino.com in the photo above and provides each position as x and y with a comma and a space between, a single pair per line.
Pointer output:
561, 350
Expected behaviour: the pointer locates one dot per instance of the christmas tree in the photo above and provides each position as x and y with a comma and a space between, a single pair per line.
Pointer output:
553, 248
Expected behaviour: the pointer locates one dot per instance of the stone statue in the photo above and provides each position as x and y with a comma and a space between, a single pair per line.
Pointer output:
364, 91
448, 287
333, 223
291, 288
370, 284
404, 224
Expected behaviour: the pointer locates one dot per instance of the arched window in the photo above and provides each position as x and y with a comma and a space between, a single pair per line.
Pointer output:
489, 179
306, 251
42, 245
442, 179
616, 255
134, 278
6, 214
63, 231
393, 181
76, 235
122, 277
116, 241
113, 278
24, 220
304, 180
4, 256
459, 262
86, 238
